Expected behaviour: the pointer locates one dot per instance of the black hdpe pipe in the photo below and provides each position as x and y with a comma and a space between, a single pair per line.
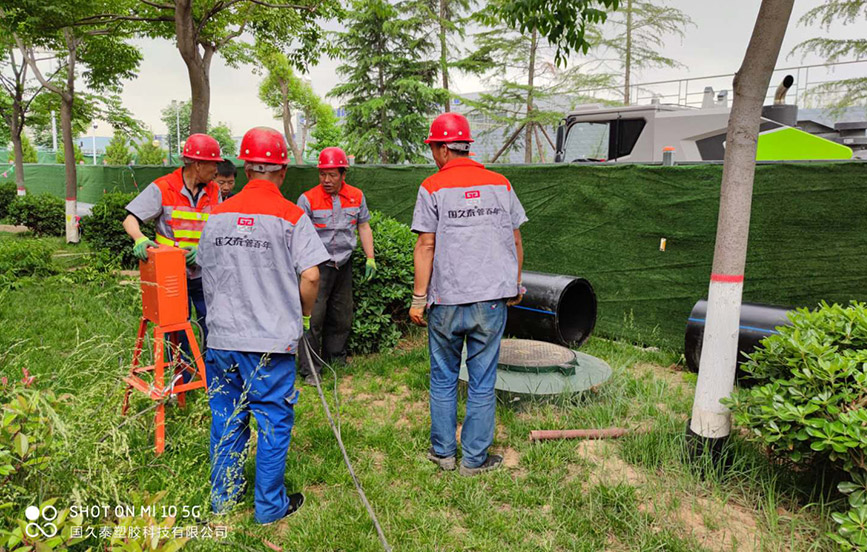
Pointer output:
556, 308
757, 322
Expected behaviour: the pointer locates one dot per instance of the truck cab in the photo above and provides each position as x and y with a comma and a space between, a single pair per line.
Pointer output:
638, 134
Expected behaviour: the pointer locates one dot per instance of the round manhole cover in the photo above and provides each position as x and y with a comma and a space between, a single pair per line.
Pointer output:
527, 352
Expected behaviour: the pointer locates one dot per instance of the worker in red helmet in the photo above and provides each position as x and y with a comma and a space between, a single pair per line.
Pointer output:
260, 258
180, 203
337, 210
468, 259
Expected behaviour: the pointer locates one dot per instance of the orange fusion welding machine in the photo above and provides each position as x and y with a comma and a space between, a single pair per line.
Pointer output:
165, 305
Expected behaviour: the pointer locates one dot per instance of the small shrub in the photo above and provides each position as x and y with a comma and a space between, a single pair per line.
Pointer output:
8, 193
19, 258
149, 152
29, 154
103, 227
381, 304
43, 214
60, 156
810, 402
117, 151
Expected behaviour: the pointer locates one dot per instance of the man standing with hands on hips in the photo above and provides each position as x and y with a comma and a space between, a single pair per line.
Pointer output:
468, 259
337, 210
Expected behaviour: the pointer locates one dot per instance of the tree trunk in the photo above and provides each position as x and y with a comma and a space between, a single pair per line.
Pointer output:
200, 92
288, 130
69, 164
383, 119
198, 65
531, 72
17, 147
444, 60
710, 419
627, 62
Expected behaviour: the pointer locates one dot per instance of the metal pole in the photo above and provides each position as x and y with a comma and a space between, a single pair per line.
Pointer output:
178, 127
94, 144
54, 130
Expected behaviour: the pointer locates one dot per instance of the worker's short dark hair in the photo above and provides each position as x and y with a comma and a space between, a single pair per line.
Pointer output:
226, 168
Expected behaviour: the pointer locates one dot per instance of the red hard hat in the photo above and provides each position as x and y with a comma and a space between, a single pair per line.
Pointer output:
264, 145
202, 147
449, 127
332, 158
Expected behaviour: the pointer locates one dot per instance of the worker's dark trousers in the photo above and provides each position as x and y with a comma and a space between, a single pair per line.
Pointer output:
331, 320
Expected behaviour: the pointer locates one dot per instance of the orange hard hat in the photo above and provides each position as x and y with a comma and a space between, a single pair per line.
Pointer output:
332, 158
264, 145
202, 147
449, 127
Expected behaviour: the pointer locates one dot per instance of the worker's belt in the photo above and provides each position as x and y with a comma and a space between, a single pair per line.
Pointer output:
176, 243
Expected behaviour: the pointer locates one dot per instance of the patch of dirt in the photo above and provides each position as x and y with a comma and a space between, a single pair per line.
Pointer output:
733, 528
607, 468
511, 458
670, 375
12, 229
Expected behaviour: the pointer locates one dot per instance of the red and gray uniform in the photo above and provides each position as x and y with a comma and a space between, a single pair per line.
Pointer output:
179, 216
474, 213
252, 250
336, 218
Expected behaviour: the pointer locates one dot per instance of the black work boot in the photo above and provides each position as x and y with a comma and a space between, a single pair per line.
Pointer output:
492, 462
446, 463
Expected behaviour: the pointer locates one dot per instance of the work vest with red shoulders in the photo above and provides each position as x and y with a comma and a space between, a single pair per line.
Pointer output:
336, 218
181, 222
179, 217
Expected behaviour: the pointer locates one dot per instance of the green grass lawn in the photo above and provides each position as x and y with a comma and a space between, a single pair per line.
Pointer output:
636, 493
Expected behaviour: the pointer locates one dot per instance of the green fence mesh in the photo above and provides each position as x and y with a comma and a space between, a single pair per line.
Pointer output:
808, 233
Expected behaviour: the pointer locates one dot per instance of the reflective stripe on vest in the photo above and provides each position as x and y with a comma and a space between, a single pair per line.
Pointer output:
168, 241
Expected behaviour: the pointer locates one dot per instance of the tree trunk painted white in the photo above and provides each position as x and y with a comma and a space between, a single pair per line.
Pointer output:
718, 361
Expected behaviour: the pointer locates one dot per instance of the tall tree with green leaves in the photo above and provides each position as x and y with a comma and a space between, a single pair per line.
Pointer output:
844, 92
286, 93
202, 29
636, 33
176, 118
448, 20
326, 131
222, 133
388, 89
99, 52
149, 152
28, 152
117, 151
17, 94
526, 87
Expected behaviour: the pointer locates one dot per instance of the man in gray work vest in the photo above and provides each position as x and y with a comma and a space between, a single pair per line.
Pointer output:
468, 260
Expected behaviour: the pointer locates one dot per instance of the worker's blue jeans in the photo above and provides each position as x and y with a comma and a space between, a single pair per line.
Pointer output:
239, 384
481, 325
196, 299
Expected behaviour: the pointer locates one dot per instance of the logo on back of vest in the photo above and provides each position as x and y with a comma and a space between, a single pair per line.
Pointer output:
245, 224
473, 197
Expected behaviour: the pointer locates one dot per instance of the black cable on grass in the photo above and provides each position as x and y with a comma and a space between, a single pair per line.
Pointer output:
308, 350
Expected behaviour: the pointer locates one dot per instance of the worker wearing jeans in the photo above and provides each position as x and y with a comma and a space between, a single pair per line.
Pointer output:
481, 325
468, 259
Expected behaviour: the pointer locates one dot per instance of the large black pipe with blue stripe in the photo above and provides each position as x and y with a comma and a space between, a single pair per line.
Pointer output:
758, 321
556, 308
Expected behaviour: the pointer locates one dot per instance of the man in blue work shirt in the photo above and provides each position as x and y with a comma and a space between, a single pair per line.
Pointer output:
468, 259
252, 251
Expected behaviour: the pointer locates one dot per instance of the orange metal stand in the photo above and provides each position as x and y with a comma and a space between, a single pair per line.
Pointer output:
164, 304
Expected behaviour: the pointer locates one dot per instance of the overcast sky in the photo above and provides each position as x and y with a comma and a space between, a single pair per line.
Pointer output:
715, 45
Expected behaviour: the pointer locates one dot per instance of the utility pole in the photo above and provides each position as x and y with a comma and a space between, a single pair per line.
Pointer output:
178, 128
711, 421
54, 130
93, 136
